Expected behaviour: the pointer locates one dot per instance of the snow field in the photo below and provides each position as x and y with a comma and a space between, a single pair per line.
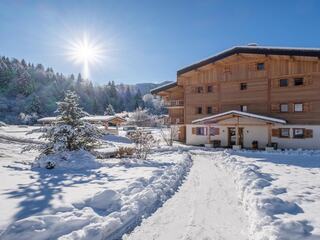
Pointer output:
270, 217
109, 213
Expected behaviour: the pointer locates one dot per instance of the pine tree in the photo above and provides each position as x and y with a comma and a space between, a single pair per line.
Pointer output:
109, 110
69, 132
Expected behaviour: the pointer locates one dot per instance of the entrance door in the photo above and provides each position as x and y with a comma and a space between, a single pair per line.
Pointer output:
232, 138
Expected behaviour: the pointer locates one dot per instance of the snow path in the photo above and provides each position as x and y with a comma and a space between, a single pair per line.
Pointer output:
206, 207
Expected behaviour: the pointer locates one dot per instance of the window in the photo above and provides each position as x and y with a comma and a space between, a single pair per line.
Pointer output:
209, 110
214, 131
199, 110
283, 82
298, 133
298, 81
284, 107
260, 66
200, 131
209, 89
199, 89
298, 107
243, 86
285, 132
243, 108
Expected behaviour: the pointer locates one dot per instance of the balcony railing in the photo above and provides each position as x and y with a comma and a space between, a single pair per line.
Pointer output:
174, 103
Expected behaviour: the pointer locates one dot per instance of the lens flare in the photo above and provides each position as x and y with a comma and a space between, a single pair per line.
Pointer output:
87, 52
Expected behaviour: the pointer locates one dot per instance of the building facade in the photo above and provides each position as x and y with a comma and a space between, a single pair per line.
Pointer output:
248, 96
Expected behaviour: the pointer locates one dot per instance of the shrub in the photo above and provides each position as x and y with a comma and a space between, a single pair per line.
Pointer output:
125, 152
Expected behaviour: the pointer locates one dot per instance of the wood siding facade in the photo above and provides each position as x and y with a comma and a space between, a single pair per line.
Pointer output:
216, 88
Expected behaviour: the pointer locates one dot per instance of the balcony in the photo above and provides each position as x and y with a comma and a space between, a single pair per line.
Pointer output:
174, 103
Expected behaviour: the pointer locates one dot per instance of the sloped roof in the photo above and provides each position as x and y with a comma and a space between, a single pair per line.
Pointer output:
308, 52
163, 87
103, 118
241, 114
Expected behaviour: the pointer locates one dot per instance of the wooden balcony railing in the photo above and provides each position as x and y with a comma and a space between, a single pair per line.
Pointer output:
174, 103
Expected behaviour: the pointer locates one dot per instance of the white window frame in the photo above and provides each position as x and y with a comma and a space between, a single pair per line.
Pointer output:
284, 105
298, 109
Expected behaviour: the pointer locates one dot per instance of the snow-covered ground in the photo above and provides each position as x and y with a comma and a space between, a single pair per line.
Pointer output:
227, 195
242, 195
96, 203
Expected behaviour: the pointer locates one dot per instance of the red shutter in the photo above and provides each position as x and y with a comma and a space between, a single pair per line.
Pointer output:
194, 130
275, 132
308, 133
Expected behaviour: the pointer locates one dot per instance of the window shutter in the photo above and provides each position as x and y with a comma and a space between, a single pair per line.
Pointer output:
275, 132
275, 107
205, 131
307, 107
194, 131
308, 133
308, 80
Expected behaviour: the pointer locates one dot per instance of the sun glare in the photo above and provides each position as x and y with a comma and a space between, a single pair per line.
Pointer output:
87, 52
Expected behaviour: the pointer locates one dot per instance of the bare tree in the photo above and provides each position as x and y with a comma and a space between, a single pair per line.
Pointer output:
169, 134
144, 142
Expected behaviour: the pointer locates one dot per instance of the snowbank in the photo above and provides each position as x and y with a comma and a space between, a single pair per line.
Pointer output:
264, 209
110, 213
79, 159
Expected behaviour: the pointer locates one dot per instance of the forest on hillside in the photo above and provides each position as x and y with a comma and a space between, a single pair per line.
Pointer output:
29, 91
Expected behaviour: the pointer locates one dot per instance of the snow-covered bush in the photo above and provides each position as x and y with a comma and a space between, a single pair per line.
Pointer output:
124, 152
143, 141
70, 132
141, 118
169, 134
28, 118
109, 110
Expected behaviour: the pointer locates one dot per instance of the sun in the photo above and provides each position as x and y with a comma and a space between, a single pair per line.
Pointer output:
87, 52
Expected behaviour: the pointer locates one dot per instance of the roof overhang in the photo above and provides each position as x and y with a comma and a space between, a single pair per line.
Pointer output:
163, 88
307, 52
231, 114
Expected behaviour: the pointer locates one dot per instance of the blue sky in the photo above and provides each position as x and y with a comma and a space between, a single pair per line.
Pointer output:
148, 41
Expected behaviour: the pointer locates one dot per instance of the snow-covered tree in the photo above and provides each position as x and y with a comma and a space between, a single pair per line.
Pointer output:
144, 142
141, 118
69, 132
109, 110
169, 134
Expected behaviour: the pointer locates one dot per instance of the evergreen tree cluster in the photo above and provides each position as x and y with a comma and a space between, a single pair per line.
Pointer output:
29, 91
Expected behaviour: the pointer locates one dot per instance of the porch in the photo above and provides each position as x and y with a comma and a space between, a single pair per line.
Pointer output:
233, 129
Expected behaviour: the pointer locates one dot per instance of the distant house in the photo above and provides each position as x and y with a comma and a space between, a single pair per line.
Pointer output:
248, 96
104, 120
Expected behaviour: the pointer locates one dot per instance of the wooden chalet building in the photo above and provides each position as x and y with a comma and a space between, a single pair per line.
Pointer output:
248, 96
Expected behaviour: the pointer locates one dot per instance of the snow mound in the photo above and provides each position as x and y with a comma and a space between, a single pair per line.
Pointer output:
107, 199
79, 159
108, 214
264, 207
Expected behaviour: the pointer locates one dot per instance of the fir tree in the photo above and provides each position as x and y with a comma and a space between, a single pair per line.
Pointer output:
109, 110
69, 132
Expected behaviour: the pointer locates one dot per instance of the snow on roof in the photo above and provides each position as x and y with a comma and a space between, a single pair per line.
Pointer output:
291, 51
163, 87
96, 118
105, 118
242, 114
47, 119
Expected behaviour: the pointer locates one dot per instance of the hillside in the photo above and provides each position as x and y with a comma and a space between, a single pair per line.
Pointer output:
29, 91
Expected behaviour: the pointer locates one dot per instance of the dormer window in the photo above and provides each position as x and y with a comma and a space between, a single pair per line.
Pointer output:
260, 66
